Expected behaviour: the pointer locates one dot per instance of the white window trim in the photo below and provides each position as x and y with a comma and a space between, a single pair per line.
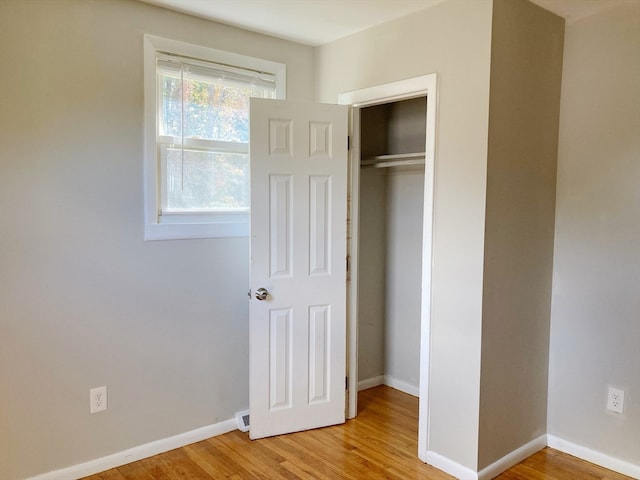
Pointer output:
219, 224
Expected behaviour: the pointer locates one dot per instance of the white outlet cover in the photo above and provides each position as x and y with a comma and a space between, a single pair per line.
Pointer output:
615, 400
98, 399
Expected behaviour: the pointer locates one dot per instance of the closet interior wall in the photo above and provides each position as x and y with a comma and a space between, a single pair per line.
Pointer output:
390, 247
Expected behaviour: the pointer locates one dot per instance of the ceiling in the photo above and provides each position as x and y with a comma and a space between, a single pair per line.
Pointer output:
316, 22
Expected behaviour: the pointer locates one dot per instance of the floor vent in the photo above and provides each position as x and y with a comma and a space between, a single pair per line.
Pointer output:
243, 421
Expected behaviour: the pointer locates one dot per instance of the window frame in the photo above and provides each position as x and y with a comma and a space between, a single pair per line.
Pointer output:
188, 225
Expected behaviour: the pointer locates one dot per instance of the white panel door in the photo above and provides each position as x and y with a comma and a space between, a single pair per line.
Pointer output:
298, 255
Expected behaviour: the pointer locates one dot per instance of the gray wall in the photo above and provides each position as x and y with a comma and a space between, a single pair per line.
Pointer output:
405, 199
595, 320
405, 194
372, 273
452, 38
84, 301
526, 68
390, 275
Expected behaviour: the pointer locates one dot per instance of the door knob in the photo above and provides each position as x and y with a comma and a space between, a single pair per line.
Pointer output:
262, 293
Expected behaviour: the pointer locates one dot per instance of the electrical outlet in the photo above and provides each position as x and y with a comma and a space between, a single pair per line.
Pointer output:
98, 399
615, 400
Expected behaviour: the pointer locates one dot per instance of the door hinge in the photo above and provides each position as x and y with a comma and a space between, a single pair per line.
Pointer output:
346, 383
348, 142
348, 264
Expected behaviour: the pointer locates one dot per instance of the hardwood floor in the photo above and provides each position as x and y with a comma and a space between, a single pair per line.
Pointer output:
381, 443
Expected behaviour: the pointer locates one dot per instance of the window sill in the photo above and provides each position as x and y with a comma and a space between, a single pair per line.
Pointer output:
186, 231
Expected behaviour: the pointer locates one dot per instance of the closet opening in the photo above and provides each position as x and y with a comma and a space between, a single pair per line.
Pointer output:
391, 186
390, 231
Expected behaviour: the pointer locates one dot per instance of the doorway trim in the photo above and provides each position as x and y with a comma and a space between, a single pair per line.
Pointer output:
425, 85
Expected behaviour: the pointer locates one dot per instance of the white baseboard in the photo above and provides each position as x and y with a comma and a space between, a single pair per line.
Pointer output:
138, 453
390, 382
370, 382
518, 455
402, 386
513, 458
496, 468
593, 456
463, 473
449, 466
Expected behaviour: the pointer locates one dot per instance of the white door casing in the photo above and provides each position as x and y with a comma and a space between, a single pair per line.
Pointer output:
426, 85
297, 338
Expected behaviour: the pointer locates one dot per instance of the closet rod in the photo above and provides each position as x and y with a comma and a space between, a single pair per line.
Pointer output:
397, 163
394, 160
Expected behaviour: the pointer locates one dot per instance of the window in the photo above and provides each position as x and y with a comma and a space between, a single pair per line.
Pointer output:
197, 138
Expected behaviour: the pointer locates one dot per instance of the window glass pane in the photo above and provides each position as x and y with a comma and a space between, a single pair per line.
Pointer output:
215, 111
171, 107
211, 105
204, 180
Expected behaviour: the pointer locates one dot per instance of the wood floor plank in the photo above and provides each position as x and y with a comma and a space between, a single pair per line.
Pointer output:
112, 474
174, 464
254, 459
522, 472
380, 444
207, 458
304, 449
242, 467
135, 471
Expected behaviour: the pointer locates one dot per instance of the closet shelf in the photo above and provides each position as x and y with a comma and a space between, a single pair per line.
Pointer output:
394, 160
